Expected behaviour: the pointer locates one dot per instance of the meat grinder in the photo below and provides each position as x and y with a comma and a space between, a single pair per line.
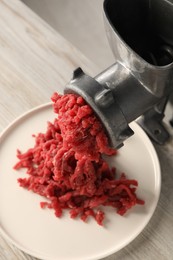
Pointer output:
139, 84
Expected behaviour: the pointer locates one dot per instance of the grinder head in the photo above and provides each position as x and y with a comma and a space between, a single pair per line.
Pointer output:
139, 83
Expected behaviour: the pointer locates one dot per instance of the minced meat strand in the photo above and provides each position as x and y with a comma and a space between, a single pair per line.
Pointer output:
66, 164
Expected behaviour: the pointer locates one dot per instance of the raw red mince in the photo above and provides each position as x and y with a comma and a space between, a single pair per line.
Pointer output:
66, 165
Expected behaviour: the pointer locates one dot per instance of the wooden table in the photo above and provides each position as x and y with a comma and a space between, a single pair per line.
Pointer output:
34, 60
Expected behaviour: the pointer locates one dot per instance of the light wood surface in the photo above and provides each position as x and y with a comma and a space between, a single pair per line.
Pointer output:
34, 60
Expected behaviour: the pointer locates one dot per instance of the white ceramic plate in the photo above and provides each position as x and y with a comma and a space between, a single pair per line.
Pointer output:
38, 232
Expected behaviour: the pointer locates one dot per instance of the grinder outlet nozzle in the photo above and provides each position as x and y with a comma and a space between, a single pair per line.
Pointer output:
102, 101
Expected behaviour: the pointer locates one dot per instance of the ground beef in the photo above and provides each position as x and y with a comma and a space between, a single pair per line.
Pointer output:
66, 164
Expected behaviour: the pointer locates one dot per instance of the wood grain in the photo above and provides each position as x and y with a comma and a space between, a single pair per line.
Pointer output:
34, 60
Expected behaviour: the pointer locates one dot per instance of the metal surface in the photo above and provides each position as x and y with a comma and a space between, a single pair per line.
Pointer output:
141, 80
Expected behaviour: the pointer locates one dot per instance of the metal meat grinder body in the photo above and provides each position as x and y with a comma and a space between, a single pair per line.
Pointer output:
139, 83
